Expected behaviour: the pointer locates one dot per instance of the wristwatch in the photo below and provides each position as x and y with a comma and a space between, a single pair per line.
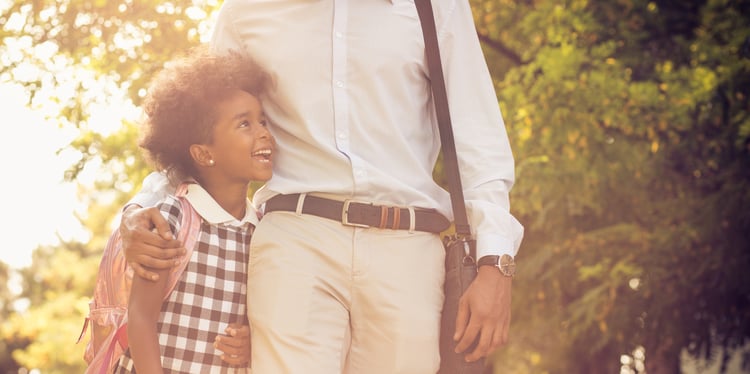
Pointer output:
505, 263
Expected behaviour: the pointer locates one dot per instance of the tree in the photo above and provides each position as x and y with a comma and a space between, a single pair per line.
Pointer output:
6, 300
74, 55
629, 123
57, 286
113, 47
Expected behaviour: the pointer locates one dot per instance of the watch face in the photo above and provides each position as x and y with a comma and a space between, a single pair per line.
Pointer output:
507, 265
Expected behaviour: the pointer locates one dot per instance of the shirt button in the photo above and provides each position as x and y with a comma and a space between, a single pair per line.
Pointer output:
339, 34
359, 173
339, 84
342, 135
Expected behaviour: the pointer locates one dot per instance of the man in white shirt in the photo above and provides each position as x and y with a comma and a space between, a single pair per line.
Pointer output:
353, 116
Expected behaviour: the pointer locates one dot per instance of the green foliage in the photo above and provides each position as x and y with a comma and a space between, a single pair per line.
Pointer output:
629, 123
74, 55
6, 300
6, 297
57, 286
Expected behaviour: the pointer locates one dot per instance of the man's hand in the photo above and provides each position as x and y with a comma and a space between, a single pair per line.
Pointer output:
235, 345
147, 241
484, 312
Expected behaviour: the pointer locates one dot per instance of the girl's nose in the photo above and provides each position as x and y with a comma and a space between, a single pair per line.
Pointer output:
264, 133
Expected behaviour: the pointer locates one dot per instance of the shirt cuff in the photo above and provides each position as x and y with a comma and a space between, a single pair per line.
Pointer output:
494, 244
156, 187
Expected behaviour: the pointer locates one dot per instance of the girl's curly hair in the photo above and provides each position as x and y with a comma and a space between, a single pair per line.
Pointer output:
180, 105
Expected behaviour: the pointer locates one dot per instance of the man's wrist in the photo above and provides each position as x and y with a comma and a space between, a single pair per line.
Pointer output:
130, 207
505, 263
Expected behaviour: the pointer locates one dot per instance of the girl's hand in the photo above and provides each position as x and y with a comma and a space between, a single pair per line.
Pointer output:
235, 345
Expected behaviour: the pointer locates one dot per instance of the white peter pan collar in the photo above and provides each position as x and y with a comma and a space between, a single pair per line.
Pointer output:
212, 212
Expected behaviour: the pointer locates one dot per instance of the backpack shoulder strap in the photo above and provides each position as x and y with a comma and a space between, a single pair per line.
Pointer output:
188, 235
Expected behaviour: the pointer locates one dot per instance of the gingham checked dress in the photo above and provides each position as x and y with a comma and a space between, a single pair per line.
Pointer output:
210, 293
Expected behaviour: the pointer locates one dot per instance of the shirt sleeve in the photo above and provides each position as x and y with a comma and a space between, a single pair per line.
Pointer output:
486, 162
225, 37
156, 187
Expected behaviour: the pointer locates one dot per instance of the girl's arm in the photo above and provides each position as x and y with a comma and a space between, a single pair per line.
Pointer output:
143, 313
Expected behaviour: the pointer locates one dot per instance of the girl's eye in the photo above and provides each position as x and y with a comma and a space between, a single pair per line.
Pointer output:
263, 122
244, 124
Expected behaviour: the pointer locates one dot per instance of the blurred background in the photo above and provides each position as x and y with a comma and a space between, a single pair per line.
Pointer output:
629, 120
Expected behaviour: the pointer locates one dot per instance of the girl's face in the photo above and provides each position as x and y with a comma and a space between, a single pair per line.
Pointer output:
242, 148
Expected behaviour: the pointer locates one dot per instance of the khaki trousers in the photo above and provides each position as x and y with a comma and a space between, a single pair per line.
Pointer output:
328, 298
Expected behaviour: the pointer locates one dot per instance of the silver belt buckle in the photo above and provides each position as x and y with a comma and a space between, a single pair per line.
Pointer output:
345, 213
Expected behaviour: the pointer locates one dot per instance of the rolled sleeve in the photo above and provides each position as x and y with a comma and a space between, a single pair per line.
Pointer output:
156, 187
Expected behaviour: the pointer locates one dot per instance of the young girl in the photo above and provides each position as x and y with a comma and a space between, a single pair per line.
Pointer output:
204, 126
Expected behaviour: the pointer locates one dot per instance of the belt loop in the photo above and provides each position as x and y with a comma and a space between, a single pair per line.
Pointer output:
300, 203
383, 216
396, 218
412, 219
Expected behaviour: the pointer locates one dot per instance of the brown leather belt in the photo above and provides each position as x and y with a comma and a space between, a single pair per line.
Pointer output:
362, 214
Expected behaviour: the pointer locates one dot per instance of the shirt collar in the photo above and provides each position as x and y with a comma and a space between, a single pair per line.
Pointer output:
212, 212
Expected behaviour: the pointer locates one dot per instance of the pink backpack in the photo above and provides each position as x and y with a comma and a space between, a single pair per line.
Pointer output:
108, 308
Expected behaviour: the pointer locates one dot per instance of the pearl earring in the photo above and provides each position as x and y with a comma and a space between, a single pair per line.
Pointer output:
211, 162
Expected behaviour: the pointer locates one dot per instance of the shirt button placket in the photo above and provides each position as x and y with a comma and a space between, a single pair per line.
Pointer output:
340, 104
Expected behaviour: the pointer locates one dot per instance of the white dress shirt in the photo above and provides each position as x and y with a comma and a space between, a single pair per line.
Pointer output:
352, 112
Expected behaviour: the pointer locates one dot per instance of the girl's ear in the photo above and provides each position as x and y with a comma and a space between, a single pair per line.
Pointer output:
201, 155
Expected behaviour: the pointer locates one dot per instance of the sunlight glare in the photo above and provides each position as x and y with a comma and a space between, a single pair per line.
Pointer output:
47, 14
45, 50
34, 146
15, 22
195, 13
82, 19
